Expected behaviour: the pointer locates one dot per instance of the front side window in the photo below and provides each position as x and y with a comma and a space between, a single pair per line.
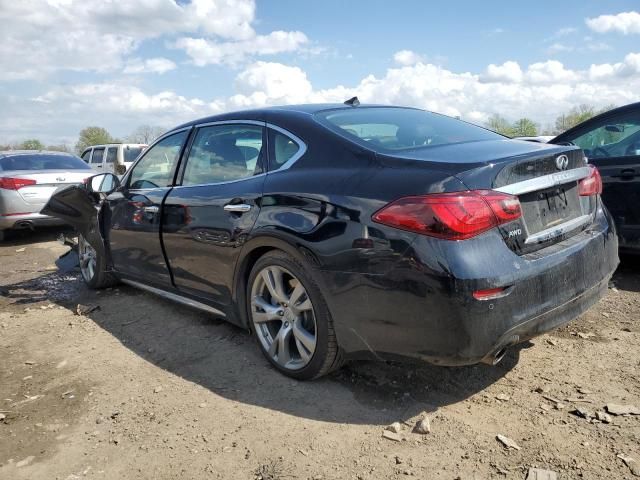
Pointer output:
389, 128
86, 156
96, 158
112, 153
156, 168
283, 149
611, 137
224, 153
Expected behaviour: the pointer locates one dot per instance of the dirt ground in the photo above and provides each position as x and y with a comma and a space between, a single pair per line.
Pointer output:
143, 388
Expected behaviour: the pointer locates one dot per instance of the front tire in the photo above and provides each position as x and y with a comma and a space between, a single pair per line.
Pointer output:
290, 319
93, 265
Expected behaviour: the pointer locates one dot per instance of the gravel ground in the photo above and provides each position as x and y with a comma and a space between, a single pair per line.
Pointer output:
143, 388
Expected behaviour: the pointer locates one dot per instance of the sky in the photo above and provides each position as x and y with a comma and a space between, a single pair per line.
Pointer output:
118, 64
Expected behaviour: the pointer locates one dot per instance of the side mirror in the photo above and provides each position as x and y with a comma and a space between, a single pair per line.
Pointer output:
103, 183
614, 128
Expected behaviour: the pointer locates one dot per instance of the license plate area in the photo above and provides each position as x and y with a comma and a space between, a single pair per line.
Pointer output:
545, 209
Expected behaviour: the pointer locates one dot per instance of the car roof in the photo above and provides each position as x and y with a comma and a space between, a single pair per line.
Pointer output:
13, 153
100, 145
301, 109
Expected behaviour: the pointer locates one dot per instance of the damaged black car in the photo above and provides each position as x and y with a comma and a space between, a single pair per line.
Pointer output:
342, 231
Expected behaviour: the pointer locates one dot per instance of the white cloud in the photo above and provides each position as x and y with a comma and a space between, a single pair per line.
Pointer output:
205, 52
560, 47
540, 91
43, 36
563, 32
507, 72
625, 22
151, 65
407, 57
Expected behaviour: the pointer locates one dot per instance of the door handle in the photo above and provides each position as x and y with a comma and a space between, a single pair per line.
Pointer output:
152, 209
237, 207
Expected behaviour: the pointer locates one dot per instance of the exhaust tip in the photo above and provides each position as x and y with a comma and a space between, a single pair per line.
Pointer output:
495, 358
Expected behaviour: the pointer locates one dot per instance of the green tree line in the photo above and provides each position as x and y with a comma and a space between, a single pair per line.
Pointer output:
525, 127
90, 136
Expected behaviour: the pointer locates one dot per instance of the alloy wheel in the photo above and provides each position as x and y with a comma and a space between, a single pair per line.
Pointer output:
87, 257
283, 317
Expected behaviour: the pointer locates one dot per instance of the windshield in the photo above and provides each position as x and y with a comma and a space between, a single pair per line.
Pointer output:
131, 153
390, 128
42, 161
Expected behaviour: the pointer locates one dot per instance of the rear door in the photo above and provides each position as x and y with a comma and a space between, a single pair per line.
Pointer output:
96, 159
110, 159
612, 143
208, 217
134, 237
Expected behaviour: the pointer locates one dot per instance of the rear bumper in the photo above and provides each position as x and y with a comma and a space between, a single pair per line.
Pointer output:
424, 308
27, 220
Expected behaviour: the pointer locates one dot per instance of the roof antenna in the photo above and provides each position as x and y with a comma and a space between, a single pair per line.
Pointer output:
354, 102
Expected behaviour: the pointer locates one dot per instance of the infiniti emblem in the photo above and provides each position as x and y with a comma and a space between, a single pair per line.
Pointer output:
562, 162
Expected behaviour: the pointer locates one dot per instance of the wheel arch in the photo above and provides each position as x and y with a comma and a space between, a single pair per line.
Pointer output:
256, 248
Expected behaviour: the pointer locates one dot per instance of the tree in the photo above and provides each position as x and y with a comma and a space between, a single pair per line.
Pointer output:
499, 124
525, 127
93, 136
145, 134
31, 144
63, 147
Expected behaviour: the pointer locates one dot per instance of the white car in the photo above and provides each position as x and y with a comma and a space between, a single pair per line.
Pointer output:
114, 158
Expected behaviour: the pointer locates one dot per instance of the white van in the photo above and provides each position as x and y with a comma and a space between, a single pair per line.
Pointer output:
114, 157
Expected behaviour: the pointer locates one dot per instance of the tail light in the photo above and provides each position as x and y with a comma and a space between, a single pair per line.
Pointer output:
592, 185
9, 183
451, 216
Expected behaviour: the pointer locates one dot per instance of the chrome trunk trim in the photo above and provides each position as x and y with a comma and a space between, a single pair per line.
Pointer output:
545, 181
175, 297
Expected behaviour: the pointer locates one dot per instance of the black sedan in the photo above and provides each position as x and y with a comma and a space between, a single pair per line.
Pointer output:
611, 141
342, 231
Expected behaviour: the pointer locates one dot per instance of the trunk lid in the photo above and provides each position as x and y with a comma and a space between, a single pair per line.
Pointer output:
47, 183
543, 177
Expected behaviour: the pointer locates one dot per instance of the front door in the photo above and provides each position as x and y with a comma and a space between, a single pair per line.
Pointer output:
612, 143
208, 217
96, 159
134, 237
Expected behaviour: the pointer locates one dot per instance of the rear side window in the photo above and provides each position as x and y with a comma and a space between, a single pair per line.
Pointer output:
389, 129
224, 153
282, 149
131, 153
112, 153
96, 158
42, 162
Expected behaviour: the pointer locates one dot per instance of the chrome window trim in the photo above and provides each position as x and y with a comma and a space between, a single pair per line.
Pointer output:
175, 297
545, 181
220, 183
556, 231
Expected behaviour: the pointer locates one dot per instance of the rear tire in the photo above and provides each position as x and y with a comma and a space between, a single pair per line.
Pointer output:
3, 235
290, 318
93, 265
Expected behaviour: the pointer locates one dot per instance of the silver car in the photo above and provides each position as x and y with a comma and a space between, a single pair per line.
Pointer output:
28, 178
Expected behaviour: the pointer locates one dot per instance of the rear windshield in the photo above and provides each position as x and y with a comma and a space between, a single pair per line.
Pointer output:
131, 153
42, 162
388, 128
